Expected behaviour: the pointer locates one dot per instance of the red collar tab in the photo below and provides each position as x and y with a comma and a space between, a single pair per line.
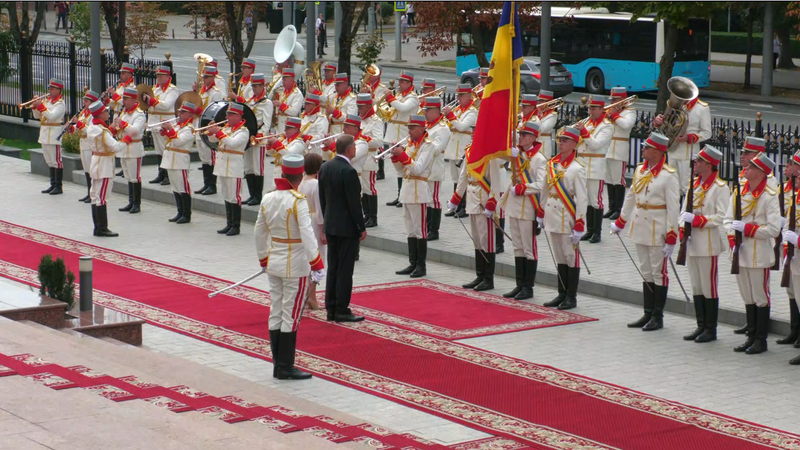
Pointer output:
164, 87
57, 98
329, 82
245, 80
566, 161
691, 104
375, 84
464, 108
237, 126
407, 91
130, 111
205, 88
370, 112
185, 122
349, 90
435, 122
706, 184
757, 191
97, 121
528, 117
419, 141
657, 168
596, 122
282, 184
313, 111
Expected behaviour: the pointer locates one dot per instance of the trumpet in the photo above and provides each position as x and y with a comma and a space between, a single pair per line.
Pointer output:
434, 93
256, 140
317, 141
29, 103
205, 129
552, 104
158, 124
388, 152
620, 104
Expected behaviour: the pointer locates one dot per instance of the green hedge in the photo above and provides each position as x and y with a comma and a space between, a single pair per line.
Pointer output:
723, 42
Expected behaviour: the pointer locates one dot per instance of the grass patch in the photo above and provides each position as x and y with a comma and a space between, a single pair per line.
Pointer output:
754, 89
24, 145
741, 64
451, 63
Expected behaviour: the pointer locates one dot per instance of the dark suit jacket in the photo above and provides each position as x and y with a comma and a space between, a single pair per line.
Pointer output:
340, 199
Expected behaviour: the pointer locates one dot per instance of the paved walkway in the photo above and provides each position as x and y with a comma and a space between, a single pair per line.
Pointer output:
708, 376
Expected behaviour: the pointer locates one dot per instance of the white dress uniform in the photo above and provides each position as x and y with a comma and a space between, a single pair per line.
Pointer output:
440, 134
371, 127
406, 104
162, 107
291, 103
177, 156
592, 149
547, 126
84, 120
316, 125
565, 206
104, 147
711, 200
619, 150
698, 130
230, 160
115, 101
479, 199
209, 96
343, 106
51, 113
328, 90
245, 90
131, 131
282, 147
523, 209
362, 153
462, 121
255, 156
416, 167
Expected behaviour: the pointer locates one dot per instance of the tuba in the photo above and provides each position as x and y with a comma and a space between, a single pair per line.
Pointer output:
313, 76
202, 59
681, 91
287, 46
383, 109
370, 71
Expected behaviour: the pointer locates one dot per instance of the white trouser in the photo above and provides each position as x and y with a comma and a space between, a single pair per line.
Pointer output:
159, 142
483, 234
523, 238
704, 273
99, 191
52, 156
288, 296
131, 169
564, 251
207, 156
653, 264
454, 171
615, 171
254, 158
684, 172
231, 189
433, 186
594, 189
414, 216
754, 286
179, 181
368, 179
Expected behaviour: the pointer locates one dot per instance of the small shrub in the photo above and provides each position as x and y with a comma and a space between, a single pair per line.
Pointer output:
71, 143
56, 281
369, 48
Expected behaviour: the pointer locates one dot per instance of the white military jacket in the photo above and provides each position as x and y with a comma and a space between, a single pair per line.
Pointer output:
115, 101
291, 104
440, 134
263, 110
104, 147
362, 152
711, 200
566, 200
372, 127
462, 124
699, 129
285, 241
315, 125
547, 124
532, 164
164, 108
211, 95
132, 123
620, 147
593, 146
415, 164
762, 217
245, 91
81, 127
652, 205
343, 106
477, 196
406, 104
787, 200
230, 152
282, 147
51, 114
177, 154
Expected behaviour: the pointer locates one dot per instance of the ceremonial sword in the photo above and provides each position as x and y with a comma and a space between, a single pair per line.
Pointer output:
260, 272
634, 262
679, 280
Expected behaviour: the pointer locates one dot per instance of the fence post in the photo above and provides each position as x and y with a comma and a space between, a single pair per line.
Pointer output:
168, 63
583, 111
759, 130
73, 79
103, 84
25, 76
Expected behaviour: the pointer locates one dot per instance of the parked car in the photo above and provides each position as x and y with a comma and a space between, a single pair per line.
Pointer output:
560, 77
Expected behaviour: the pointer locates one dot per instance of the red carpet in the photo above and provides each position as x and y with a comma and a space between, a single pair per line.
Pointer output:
540, 405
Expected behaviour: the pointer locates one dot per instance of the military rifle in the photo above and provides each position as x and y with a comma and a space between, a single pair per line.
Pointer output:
737, 215
779, 238
687, 226
787, 266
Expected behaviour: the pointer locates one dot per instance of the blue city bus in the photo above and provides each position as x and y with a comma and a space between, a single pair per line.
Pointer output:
603, 49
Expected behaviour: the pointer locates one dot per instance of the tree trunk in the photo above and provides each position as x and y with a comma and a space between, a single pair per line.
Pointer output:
749, 59
347, 36
252, 38
666, 65
785, 57
234, 15
114, 13
20, 29
477, 41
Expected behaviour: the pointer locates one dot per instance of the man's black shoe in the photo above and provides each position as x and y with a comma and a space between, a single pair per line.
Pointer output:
347, 318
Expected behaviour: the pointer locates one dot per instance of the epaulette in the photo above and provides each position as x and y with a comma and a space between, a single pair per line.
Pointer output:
770, 191
427, 140
720, 182
702, 102
296, 193
668, 168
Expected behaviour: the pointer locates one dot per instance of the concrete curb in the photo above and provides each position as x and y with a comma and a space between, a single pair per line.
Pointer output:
708, 93
548, 278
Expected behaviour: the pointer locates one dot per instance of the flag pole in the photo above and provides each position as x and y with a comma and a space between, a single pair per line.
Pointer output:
515, 175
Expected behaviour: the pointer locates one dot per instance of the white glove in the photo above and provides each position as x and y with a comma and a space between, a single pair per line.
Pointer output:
687, 217
738, 225
317, 275
668, 249
576, 236
488, 214
540, 222
514, 152
615, 229
790, 237
783, 222
451, 207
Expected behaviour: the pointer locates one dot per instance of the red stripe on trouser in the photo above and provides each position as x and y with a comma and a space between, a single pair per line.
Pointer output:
534, 247
502, 212
622, 176
103, 190
185, 174
423, 224
59, 164
714, 276
261, 158
372, 180
436, 204
213, 158
766, 285
138, 170
490, 235
600, 195
664, 272
238, 191
299, 302
577, 257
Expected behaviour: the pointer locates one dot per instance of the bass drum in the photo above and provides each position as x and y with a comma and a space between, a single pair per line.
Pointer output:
217, 112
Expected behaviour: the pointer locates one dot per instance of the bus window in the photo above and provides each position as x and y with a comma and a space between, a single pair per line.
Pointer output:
693, 42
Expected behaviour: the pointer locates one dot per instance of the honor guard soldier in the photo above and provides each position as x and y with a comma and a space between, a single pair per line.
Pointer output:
711, 200
179, 140
415, 162
80, 125
209, 93
371, 128
329, 83
245, 90
566, 200
759, 224
341, 105
483, 78
115, 93
255, 155
51, 113
405, 103
162, 107
289, 143
439, 133
547, 118
528, 103
684, 147
595, 140
104, 146
288, 100
521, 204
752, 148
233, 139
287, 251
129, 128
428, 86
462, 121
618, 152
314, 123
481, 201
790, 236
652, 205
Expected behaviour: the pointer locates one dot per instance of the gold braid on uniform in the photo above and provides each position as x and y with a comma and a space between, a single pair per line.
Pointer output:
640, 182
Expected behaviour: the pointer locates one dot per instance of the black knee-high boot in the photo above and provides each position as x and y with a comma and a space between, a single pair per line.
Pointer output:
88, 197
500, 237
396, 202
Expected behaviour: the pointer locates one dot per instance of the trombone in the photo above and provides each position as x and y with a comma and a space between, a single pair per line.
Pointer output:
205, 129
434, 93
386, 154
158, 124
29, 103
620, 104
552, 104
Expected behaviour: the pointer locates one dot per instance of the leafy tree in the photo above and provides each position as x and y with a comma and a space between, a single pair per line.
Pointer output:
224, 22
81, 19
7, 45
350, 23
369, 48
144, 27
23, 32
115, 14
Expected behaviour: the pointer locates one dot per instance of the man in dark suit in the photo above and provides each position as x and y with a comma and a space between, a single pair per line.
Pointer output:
340, 200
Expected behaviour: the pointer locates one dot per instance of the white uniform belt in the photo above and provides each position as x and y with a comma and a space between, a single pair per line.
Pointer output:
591, 155
102, 153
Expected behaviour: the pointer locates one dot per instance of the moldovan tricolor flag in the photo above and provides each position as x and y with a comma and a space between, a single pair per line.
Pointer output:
497, 117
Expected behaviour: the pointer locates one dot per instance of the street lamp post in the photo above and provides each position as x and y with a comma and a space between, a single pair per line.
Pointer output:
544, 58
